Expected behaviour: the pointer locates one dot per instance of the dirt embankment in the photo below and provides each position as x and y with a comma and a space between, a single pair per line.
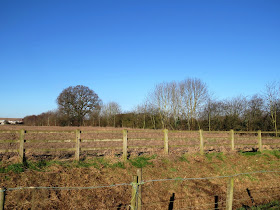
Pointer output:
195, 194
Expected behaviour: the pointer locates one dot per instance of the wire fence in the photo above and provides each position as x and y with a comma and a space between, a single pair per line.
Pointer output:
136, 202
26, 143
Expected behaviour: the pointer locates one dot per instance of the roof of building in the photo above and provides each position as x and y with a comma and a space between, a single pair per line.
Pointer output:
12, 119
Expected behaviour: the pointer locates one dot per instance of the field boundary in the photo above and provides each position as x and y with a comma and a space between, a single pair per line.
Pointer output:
138, 182
166, 139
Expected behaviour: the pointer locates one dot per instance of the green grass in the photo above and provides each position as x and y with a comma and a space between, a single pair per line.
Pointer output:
275, 153
142, 161
16, 168
270, 205
83, 164
118, 165
37, 166
98, 163
43, 165
250, 153
183, 158
173, 169
217, 155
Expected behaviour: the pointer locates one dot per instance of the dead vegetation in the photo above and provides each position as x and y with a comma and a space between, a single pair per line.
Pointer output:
156, 195
102, 168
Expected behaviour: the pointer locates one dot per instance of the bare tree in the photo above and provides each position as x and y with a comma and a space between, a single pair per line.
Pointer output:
77, 102
141, 110
152, 113
210, 110
272, 96
193, 93
165, 99
109, 111
236, 106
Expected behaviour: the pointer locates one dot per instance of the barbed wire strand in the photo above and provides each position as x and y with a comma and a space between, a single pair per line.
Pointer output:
214, 177
208, 204
67, 188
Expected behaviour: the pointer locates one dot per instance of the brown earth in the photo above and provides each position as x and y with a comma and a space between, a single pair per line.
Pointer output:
193, 194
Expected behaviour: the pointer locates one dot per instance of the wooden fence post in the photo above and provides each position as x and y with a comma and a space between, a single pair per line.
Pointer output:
21, 145
139, 199
260, 140
229, 194
201, 142
216, 200
78, 140
2, 198
124, 145
166, 149
232, 139
133, 193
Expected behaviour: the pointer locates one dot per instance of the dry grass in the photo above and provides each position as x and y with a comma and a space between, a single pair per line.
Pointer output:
103, 167
156, 195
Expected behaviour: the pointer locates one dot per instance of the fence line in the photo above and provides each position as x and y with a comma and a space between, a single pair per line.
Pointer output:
137, 182
201, 139
140, 183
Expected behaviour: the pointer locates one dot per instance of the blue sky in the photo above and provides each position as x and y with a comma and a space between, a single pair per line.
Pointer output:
122, 48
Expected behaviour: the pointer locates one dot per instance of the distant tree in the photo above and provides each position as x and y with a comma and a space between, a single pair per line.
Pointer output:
234, 111
141, 110
75, 103
211, 112
162, 100
254, 113
193, 94
110, 111
272, 96
30, 120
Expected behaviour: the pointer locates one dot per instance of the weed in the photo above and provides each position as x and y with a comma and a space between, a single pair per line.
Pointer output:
209, 156
103, 162
141, 162
173, 169
16, 168
250, 153
165, 161
183, 158
275, 153
37, 166
118, 165
270, 205
218, 155
251, 178
83, 164
60, 163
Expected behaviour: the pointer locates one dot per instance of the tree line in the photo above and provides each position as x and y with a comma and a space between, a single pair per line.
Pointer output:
183, 105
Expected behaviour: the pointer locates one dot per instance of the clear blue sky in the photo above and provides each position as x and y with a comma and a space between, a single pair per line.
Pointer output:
122, 49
